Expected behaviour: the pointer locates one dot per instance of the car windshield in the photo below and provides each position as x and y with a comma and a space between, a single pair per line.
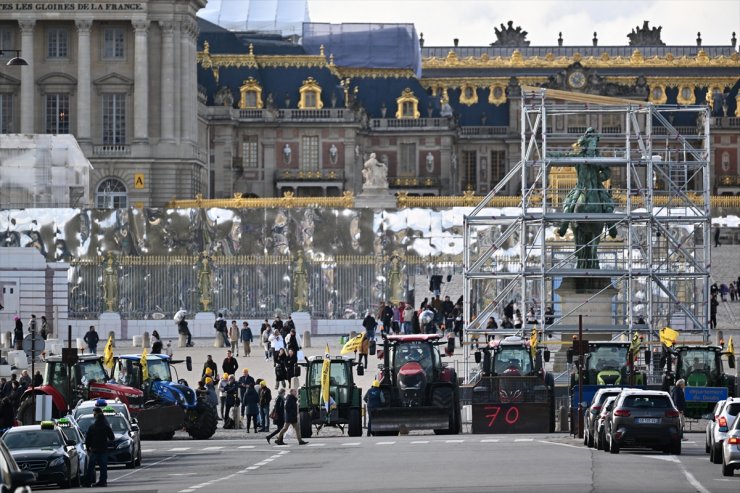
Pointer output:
513, 359
607, 358
117, 423
88, 410
733, 409
35, 439
648, 402
604, 396
70, 434
337, 373
415, 351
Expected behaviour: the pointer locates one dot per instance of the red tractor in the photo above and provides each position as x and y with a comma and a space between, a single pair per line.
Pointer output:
67, 384
420, 391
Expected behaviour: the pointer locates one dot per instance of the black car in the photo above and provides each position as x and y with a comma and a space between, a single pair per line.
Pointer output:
126, 447
44, 450
644, 418
12, 478
592, 414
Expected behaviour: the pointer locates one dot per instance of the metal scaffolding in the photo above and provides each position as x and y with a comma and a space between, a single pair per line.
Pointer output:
657, 269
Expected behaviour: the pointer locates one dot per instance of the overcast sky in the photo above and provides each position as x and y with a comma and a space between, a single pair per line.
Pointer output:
472, 21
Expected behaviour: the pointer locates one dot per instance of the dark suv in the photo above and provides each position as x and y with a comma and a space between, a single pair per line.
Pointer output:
645, 418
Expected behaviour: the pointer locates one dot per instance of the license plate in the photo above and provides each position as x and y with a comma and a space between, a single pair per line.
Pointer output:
647, 421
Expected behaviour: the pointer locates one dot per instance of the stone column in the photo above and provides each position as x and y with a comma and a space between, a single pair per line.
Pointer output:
177, 79
167, 98
186, 95
141, 80
83, 79
28, 84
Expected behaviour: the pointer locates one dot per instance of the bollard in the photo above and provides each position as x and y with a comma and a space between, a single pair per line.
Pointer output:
218, 341
112, 337
136, 341
7, 340
81, 346
182, 341
146, 340
306, 338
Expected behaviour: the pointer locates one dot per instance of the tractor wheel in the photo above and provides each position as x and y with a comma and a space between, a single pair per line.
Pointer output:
305, 422
354, 428
205, 422
444, 397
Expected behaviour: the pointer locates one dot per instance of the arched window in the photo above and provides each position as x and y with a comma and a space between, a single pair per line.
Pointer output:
111, 194
310, 95
251, 95
407, 105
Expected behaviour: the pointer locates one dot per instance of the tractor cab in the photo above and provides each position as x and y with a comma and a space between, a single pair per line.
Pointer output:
88, 370
699, 366
512, 357
127, 370
340, 380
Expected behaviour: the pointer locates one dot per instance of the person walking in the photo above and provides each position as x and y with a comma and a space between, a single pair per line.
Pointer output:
364, 350
91, 339
230, 390
679, 399
210, 369
291, 419
222, 395
18, 333
234, 337
156, 343
264, 403
370, 325
713, 304
408, 315
230, 364
278, 414
44, 328
374, 399
265, 333
96, 442
281, 368
276, 343
246, 337
251, 400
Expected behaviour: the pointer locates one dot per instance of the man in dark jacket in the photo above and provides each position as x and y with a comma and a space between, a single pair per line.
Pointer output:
679, 399
279, 413
96, 441
293, 341
212, 365
373, 399
91, 339
244, 382
278, 324
370, 324
291, 418
264, 403
182, 328
230, 364
220, 326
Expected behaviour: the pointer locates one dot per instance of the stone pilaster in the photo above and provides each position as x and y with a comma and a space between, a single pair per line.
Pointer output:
167, 99
141, 80
28, 84
84, 107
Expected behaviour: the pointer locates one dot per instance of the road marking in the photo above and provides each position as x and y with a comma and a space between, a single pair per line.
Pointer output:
524, 440
213, 448
579, 447
182, 474
489, 440
667, 458
179, 449
316, 444
690, 477
142, 468
252, 468
385, 443
284, 452
420, 442
186, 491
454, 441
351, 444
246, 446
147, 450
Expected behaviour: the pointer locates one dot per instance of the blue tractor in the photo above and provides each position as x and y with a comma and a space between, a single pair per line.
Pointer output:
170, 405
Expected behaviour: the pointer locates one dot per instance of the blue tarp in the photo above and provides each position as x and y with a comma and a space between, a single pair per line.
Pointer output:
366, 45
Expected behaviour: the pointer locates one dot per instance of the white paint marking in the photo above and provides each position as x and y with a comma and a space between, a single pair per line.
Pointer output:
351, 444
213, 448
186, 491
454, 441
182, 474
690, 477
489, 440
316, 444
252, 468
246, 446
418, 442
142, 468
385, 443
667, 458
524, 440
283, 452
269, 459
179, 449
147, 450
579, 447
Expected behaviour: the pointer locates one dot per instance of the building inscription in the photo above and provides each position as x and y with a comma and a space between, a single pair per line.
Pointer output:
72, 7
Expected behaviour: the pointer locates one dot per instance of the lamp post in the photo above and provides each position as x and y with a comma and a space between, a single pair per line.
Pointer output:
16, 60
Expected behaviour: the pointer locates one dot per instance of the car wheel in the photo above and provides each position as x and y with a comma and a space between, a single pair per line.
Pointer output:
613, 447
585, 437
676, 448
716, 454
67, 483
727, 470
78, 479
706, 446
138, 459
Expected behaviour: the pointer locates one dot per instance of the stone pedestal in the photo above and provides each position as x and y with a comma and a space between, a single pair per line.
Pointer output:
108, 322
376, 198
202, 325
302, 321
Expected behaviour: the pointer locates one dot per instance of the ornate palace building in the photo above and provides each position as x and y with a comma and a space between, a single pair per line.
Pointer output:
277, 116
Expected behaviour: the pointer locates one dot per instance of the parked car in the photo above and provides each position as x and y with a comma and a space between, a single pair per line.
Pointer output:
644, 418
86, 407
710, 425
731, 450
72, 432
601, 423
12, 478
720, 424
126, 447
594, 411
44, 450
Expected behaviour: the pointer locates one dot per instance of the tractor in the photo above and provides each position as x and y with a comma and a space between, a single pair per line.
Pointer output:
345, 397
420, 391
701, 368
68, 384
168, 405
512, 372
608, 363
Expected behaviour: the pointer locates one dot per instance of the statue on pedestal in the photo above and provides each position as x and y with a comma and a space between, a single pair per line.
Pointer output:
300, 284
588, 196
395, 281
375, 174
110, 283
205, 282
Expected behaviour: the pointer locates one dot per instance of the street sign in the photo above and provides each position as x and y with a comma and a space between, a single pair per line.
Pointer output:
37, 344
69, 356
580, 347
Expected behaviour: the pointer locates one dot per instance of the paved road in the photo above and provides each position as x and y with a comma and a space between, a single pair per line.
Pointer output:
417, 463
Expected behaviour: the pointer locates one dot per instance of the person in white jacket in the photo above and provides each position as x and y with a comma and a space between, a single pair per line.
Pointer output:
408, 314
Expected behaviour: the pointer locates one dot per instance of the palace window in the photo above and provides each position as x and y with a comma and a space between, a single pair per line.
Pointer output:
111, 194
57, 113
407, 105
251, 95
469, 170
7, 39
310, 95
57, 40
114, 39
6, 113
309, 153
249, 151
114, 118
407, 163
498, 167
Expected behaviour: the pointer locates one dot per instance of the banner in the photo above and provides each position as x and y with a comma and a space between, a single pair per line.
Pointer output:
668, 336
325, 378
144, 366
108, 354
353, 345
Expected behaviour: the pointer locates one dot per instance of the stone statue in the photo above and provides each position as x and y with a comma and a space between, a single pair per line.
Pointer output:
110, 283
205, 283
430, 162
509, 36
300, 284
589, 195
333, 154
395, 283
646, 36
375, 174
287, 152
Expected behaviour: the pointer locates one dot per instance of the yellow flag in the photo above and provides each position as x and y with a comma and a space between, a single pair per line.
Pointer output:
668, 336
533, 341
353, 344
108, 353
635, 344
144, 366
730, 347
325, 378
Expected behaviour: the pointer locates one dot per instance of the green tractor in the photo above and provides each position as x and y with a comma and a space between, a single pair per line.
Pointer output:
701, 367
345, 397
607, 363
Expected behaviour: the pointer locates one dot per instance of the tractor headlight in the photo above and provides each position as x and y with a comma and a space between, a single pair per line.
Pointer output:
56, 462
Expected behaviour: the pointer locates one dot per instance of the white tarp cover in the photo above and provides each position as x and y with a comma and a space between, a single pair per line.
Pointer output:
43, 171
277, 16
